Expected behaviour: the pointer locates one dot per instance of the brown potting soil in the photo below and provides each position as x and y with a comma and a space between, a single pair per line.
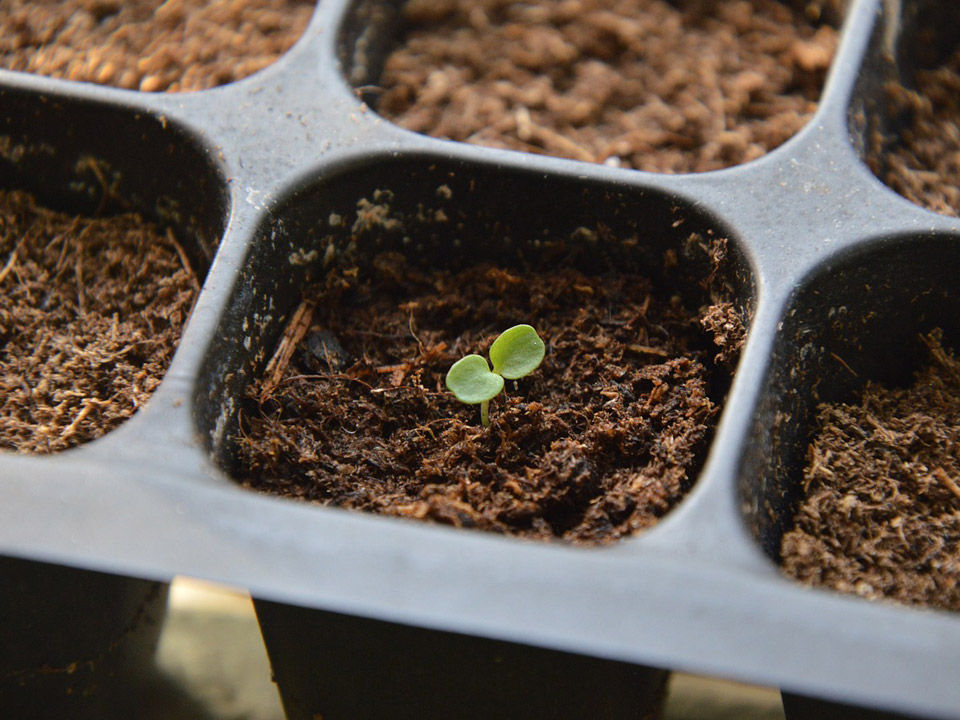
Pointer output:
683, 86
600, 441
881, 510
149, 45
922, 160
90, 313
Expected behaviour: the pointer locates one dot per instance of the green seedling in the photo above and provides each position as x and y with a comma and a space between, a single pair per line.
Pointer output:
515, 354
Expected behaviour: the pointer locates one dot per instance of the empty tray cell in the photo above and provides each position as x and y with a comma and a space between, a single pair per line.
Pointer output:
908, 106
367, 288
684, 86
94, 296
852, 482
149, 45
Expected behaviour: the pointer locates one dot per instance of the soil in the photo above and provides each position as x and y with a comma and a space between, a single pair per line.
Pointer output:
881, 510
682, 86
91, 310
602, 440
922, 160
149, 45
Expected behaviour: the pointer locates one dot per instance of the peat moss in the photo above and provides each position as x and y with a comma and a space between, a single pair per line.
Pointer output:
880, 515
149, 45
919, 157
91, 311
681, 86
601, 441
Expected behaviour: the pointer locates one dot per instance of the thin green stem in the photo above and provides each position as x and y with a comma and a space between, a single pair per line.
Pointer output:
485, 413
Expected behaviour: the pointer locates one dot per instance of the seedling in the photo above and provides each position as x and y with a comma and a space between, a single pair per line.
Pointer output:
515, 354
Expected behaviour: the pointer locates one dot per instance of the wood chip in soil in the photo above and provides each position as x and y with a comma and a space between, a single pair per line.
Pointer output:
880, 516
921, 161
684, 86
90, 313
149, 45
601, 441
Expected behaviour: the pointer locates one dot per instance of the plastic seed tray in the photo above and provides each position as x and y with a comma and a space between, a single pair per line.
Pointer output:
830, 262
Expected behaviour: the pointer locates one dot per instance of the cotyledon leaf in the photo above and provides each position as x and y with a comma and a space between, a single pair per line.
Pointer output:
517, 352
471, 381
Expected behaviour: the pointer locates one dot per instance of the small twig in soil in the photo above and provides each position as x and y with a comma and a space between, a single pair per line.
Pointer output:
62, 260
648, 350
524, 124
888, 437
96, 358
413, 331
383, 369
940, 356
94, 166
81, 289
942, 476
184, 259
292, 335
386, 336
87, 406
59, 265
552, 139
397, 373
10, 263
60, 236
844, 364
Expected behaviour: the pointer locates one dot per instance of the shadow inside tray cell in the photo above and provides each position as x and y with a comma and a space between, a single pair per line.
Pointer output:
906, 109
99, 159
676, 87
363, 290
850, 481
338, 666
110, 218
798, 707
73, 641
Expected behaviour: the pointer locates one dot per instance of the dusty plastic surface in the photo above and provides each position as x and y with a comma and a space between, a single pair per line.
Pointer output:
832, 262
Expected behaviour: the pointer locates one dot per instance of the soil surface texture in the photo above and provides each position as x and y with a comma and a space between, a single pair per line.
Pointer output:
881, 512
683, 86
600, 441
149, 45
90, 313
922, 160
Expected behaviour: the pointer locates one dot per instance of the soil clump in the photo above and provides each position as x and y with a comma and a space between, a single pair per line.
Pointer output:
602, 440
149, 45
91, 311
684, 86
880, 515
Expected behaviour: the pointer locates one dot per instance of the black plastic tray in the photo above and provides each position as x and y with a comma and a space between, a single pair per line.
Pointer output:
832, 263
